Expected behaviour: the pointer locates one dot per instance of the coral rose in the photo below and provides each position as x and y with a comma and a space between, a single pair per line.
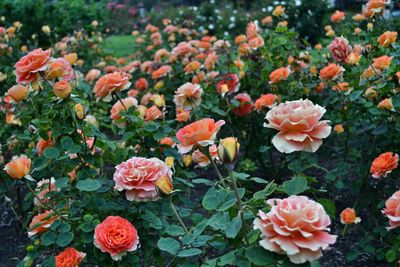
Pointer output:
188, 96
245, 105
299, 126
41, 223
201, 159
340, 49
161, 72
202, 132
267, 100
18, 167
229, 84
331, 72
28, 67
92, 75
110, 83
279, 75
141, 84
62, 89
116, 236
348, 216
382, 62
18, 92
387, 38
338, 16
392, 210
384, 164
296, 226
69, 257
138, 177
153, 113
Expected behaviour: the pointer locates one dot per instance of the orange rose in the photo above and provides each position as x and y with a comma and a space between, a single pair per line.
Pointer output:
141, 84
168, 141
386, 104
28, 67
343, 86
182, 115
348, 216
43, 144
62, 89
384, 164
18, 167
338, 128
279, 75
338, 16
267, 100
18, 92
153, 113
387, 38
382, 62
202, 132
240, 39
331, 72
41, 223
72, 58
192, 67
69, 257
110, 83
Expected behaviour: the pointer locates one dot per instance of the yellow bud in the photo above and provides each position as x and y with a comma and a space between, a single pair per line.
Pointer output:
158, 100
72, 58
159, 85
187, 160
228, 149
170, 161
46, 29
164, 184
370, 26
79, 111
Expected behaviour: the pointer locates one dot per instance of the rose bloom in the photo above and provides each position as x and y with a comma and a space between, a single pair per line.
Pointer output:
192, 66
188, 96
392, 210
384, 164
201, 159
387, 38
296, 226
338, 128
240, 39
252, 30
141, 84
118, 107
267, 100
60, 67
353, 58
182, 115
28, 67
267, 20
348, 216
245, 105
299, 126
229, 84
202, 132
343, 86
153, 113
42, 188
18, 167
398, 76
374, 7
167, 141
18, 92
109, 83
62, 89
211, 60
382, 62
256, 42
43, 144
278, 11
116, 236
69, 257
161, 72
331, 72
338, 16
92, 75
41, 223
138, 177
386, 104
340, 49
279, 75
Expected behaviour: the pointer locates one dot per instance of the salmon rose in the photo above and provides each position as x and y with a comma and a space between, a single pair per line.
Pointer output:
384, 164
41, 223
202, 132
18, 167
28, 67
392, 210
267, 100
138, 176
18, 92
279, 75
299, 126
92, 75
69, 257
348, 216
296, 226
331, 72
387, 38
338, 16
110, 83
161, 72
116, 236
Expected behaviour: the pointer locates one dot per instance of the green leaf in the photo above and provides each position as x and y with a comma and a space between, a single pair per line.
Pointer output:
169, 245
329, 206
189, 252
174, 230
390, 255
67, 142
88, 185
64, 239
233, 227
51, 153
64, 227
252, 236
259, 256
297, 185
62, 182
151, 126
48, 238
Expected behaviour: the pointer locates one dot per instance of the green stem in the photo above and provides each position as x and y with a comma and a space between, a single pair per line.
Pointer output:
177, 214
239, 201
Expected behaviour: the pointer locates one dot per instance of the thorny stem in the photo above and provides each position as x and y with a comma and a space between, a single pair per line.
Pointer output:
177, 214
218, 172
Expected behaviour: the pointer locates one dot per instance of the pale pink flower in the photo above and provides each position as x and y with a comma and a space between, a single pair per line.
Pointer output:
392, 210
188, 96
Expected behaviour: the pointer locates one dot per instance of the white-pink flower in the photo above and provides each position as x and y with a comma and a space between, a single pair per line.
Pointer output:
340, 49
296, 226
299, 126
392, 210
188, 96
138, 175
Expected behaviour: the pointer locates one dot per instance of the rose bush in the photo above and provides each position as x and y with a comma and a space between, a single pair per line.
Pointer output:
204, 150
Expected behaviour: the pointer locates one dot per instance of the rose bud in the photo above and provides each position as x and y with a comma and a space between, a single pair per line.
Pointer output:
79, 111
18, 92
56, 70
164, 184
170, 161
228, 150
72, 58
187, 160
348, 216
62, 89
18, 167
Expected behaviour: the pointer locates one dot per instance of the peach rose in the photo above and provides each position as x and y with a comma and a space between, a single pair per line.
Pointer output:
62, 89
92, 75
245, 105
229, 84
338, 16
331, 72
41, 223
256, 42
299, 126
182, 115
374, 7
18, 167
279, 75
161, 72
188, 96
296, 226
348, 216
141, 84
118, 107
338, 128
60, 67
192, 66
28, 67
201, 159
386, 104
382, 62
153, 113
392, 210
116, 236
69, 257
211, 60
387, 38
340, 49
110, 83
18, 92
343, 86
167, 141
202, 132
138, 176
384, 164
267, 100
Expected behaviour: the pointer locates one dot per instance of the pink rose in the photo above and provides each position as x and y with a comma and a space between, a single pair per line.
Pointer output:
188, 96
296, 226
138, 176
116, 236
28, 67
299, 126
392, 210
340, 49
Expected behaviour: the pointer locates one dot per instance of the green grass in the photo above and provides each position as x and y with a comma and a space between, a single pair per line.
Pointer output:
119, 45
